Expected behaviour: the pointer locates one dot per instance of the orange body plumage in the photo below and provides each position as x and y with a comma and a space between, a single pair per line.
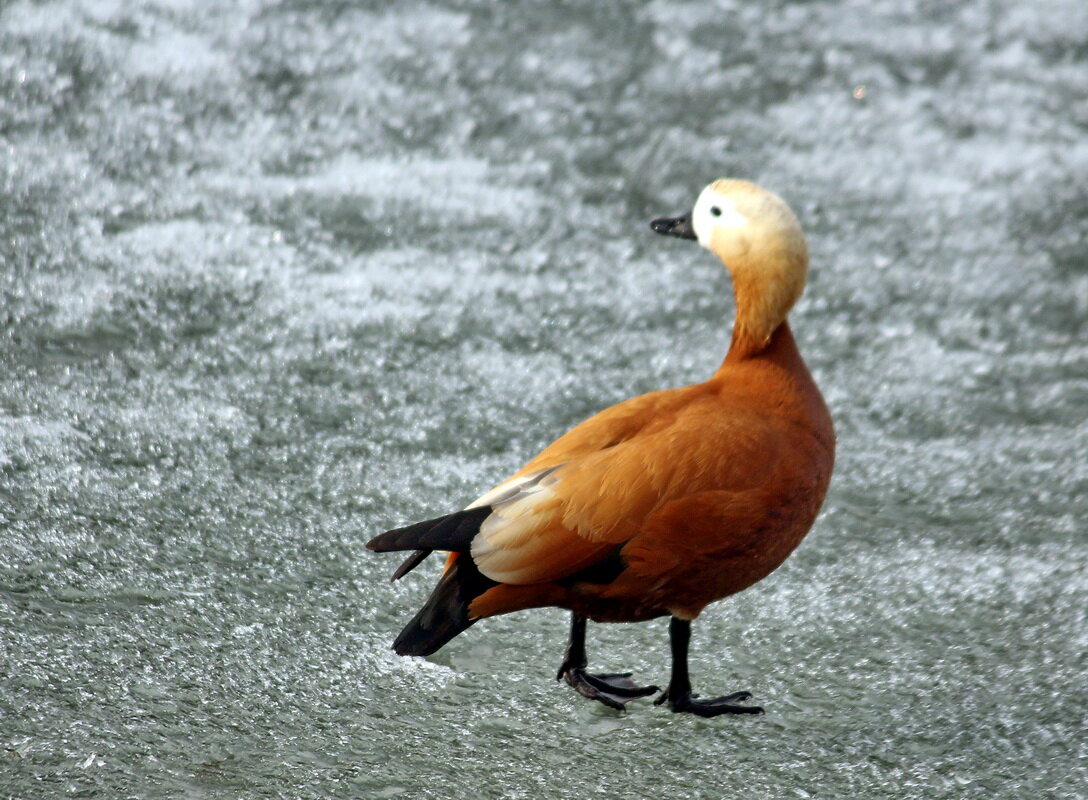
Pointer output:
663, 503
704, 490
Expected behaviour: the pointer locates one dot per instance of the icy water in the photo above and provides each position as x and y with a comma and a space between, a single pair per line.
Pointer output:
277, 276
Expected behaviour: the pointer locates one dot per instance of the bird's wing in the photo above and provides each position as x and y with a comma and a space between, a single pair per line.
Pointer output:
606, 429
553, 521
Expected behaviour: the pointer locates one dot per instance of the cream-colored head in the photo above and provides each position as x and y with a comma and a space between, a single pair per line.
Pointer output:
760, 241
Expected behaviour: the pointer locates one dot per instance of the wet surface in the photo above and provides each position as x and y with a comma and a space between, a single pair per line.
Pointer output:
276, 277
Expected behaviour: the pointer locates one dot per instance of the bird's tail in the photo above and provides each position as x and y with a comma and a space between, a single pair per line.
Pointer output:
445, 614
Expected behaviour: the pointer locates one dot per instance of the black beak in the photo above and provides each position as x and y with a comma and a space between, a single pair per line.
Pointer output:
679, 227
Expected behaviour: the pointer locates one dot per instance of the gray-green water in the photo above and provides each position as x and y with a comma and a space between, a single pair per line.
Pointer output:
277, 276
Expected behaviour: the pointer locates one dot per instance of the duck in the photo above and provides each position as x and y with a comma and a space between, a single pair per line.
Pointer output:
664, 503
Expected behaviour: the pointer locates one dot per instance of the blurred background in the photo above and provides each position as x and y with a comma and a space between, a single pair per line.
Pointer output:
279, 275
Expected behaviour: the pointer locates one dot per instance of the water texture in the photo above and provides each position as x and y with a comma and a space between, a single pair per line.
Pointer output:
277, 276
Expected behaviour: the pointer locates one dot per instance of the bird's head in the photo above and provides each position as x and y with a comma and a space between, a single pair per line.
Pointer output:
760, 242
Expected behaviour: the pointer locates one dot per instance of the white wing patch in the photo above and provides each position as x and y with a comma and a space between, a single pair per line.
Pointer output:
521, 509
507, 489
512, 523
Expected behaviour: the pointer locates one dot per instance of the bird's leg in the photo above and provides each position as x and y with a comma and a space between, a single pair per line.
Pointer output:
679, 696
615, 690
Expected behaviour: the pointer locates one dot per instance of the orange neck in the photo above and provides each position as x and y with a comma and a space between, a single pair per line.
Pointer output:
779, 345
763, 298
759, 317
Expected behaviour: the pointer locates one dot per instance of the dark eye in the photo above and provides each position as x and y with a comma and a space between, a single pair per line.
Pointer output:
715, 211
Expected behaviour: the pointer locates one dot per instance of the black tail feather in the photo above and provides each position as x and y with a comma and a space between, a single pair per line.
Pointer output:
409, 564
451, 532
445, 614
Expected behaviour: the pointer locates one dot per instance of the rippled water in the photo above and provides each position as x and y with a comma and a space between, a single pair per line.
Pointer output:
277, 276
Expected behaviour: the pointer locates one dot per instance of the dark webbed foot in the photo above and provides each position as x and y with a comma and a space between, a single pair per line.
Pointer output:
687, 702
615, 690
679, 696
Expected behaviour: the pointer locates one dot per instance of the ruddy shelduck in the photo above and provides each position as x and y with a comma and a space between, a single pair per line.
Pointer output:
663, 503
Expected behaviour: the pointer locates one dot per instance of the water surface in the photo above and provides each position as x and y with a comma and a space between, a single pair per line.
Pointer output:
277, 276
